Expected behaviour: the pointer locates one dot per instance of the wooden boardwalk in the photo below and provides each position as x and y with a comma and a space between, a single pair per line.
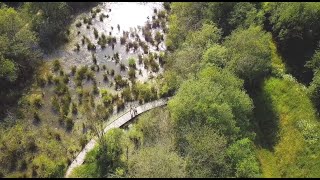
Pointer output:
116, 122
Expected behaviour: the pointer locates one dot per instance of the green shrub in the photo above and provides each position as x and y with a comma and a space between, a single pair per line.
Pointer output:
126, 94
106, 97
105, 77
132, 63
112, 72
36, 100
94, 59
95, 89
90, 75
50, 78
120, 105
55, 103
101, 17
132, 73
61, 72
85, 20
74, 108
122, 67
95, 32
140, 59
56, 65
69, 123
78, 47
120, 83
154, 66
123, 40
161, 14
61, 88
78, 24
41, 81
73, 70
65, 79
36, 117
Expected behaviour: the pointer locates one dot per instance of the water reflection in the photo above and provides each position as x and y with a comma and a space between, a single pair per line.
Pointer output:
129, 16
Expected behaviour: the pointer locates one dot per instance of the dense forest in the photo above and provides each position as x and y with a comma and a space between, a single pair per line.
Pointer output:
242, 76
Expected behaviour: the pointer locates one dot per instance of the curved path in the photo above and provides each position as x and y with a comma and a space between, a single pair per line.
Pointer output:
115, 123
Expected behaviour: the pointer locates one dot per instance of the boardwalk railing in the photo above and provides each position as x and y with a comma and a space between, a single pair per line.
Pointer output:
118, 121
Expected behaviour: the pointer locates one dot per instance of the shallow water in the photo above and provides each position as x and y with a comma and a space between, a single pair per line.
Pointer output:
129, 15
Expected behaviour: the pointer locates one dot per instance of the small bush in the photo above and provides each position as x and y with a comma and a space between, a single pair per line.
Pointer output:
41, 81
79, 92
61, 72
74, 108
140, 59
126, 94
78, 24
132, 73
135, 45
105, 77
95, 89
122, 67
77, 47
69, 123
90, 75
94, 59
36, 117
65, 79
36, 100
91, 47
101, 17
56, 65
95, 32
50, 78
104, 67
132, 63
158, 36
85, 20
123, 40
73, 70
154, 66
55, 103
106, 97
120, 105
93, 15
120, 83
161, 14
112, 72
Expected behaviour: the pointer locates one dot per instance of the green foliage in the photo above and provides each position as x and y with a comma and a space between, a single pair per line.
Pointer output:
44, 166
144, 92
216, 99
8, 70
120, 83
205, 153
106, 97
215, 55
249, 54
242, 155
50, 21
148, 164
244, 15
132, 62
56, 65
132, 73
297, 147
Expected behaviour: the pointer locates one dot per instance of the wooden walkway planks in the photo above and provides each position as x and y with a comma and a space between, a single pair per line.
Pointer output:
116, 123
